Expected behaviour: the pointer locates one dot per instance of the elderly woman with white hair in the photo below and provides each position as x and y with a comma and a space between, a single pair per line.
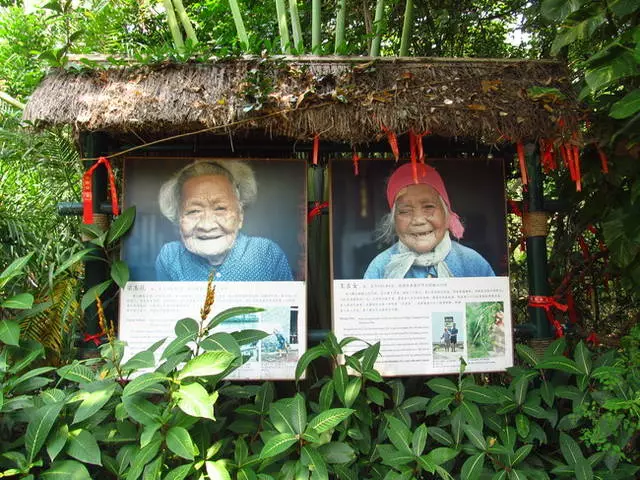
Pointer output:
423, 222
206, 200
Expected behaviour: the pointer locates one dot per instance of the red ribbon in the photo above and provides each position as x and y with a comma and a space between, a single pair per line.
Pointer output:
593, 339
356, 159
316, 148
96, 338
87, 191
522, 162
393, 141
547, 303
604, 161
316, 210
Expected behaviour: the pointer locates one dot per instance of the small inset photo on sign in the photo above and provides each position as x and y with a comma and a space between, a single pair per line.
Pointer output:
485, 327
449, 336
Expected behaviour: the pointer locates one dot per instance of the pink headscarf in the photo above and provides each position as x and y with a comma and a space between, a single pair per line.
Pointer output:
427, 175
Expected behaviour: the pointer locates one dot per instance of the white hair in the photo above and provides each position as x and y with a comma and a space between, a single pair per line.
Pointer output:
240, 175
385, 232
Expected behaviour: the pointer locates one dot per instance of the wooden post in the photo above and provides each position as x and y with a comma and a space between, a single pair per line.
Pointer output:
535, 221
95, 271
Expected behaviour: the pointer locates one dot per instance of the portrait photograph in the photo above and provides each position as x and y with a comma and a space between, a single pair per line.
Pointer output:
228, 217
446, 218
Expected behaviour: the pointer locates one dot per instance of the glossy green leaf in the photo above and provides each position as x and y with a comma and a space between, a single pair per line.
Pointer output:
207, 364
145, 455
352, 391
280, 416
96, 291
277, 444
14, 268
419, 439
83, 446
246, 337
309, 356
57, 441
340, 379
522, 453
141, 410
120, 273
178, 473
472, 467
439, 403
194, 400
337, 452
221, 341
442, 386
39, 427
329, 419
179, 442
140, 360
92, 402
9, 332
440, 455
627, 106
67, 470
121, 225
560, 363
230, 313
399, 434
21, 301
522, 425
143, 382
313, 460
475, 436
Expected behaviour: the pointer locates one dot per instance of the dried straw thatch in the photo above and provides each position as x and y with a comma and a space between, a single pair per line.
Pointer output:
341, 99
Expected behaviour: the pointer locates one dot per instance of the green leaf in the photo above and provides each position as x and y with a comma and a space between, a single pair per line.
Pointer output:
352, 391
141, 410
264, 397
328, 419
221, 341
583, 470
179, 442
442, 386
96, 291
482, 395
277, 444
337, 452
521, 454
140, 360
120, 273
441, 436
522, 425
14, 269
583, 358
67, 470
440, 455
82, 446
142, 458
476, 437
92, 402
399, 434
194, 400
621, 66
39, 427
143, 382
207, 364
547, 392
57, 441
178, 473
217, 470
439, 403
517, 475
375, 395
308, 357
298, 414
370, 356
472, 467
245, 337
280, 416
10, 332
560, 363
186, 327
520, 386
419, 439
22, 301
313, 460
230, 313
558, 10
340, 379
527, 354
121, 225
627, 106
570, 449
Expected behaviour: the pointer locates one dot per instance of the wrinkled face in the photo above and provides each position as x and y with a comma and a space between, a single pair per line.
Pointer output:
420, 218
210, 217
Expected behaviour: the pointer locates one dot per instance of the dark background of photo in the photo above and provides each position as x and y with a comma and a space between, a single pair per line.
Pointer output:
279, 212
476, 192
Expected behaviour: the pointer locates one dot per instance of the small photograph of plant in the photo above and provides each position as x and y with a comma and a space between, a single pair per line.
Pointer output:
485, 329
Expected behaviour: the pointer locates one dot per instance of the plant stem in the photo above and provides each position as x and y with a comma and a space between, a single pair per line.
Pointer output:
173, 25
186, 23
316, 11
406, 28
281, 12
298, 42
12, 101
237, 19
340, 21
377, 26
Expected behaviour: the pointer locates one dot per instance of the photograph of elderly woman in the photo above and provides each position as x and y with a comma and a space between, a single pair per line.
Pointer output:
448, 223
231, 217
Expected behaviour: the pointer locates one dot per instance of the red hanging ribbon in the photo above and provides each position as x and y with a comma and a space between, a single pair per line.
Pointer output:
413, 149
547, 303
523, 164
316, 210
393, 141
593, 339
316, 148
356, 160
576, 161
604, 161
87, 191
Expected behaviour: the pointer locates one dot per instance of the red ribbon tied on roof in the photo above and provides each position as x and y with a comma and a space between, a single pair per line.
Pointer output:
316, 210
87, 191
547, 303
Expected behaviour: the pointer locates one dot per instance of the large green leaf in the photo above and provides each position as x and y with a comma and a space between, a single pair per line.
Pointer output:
419, 439
627, 106
141, 410
72, 260
57, 441
309, 356
570, 449
337, 452
576, 31
207, 364
558, 10
280, 416
329, 418
221, 341
21, 301
217, 470
619, 67
143, 382
442, 386
476, 437
352, 391
472, 467
178, 473
92, 402
179, 442
10, 332
120, 273
245, 337
560, 363
145, 455
440, 455
121, 225
399, 434
194, 400
277, 444
140, 360
230, 313
39, 427
96, 291
83, 446
583, 358
14, 268
313, 460
67, 470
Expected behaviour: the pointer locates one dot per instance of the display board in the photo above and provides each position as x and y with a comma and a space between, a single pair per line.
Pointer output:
256, 253
429, 312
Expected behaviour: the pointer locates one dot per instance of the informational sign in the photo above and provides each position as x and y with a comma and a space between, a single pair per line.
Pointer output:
229, 220
149, 311
419, 264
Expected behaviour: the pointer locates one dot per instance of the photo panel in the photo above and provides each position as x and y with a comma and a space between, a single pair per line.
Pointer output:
409, 262
228, 219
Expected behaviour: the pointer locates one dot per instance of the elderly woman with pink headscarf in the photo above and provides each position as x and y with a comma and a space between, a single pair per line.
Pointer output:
423, 223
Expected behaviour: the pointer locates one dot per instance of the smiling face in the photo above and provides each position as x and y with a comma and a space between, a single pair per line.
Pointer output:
420, 218
210, 217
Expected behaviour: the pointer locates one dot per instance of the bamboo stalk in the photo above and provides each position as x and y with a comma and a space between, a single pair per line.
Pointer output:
186, 23
237, 19
298, 41
377, 26
176, 34
285, 42
406, 29
340, 21
316, 11
12, 101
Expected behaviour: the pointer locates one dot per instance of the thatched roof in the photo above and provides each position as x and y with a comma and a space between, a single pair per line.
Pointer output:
341, 99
